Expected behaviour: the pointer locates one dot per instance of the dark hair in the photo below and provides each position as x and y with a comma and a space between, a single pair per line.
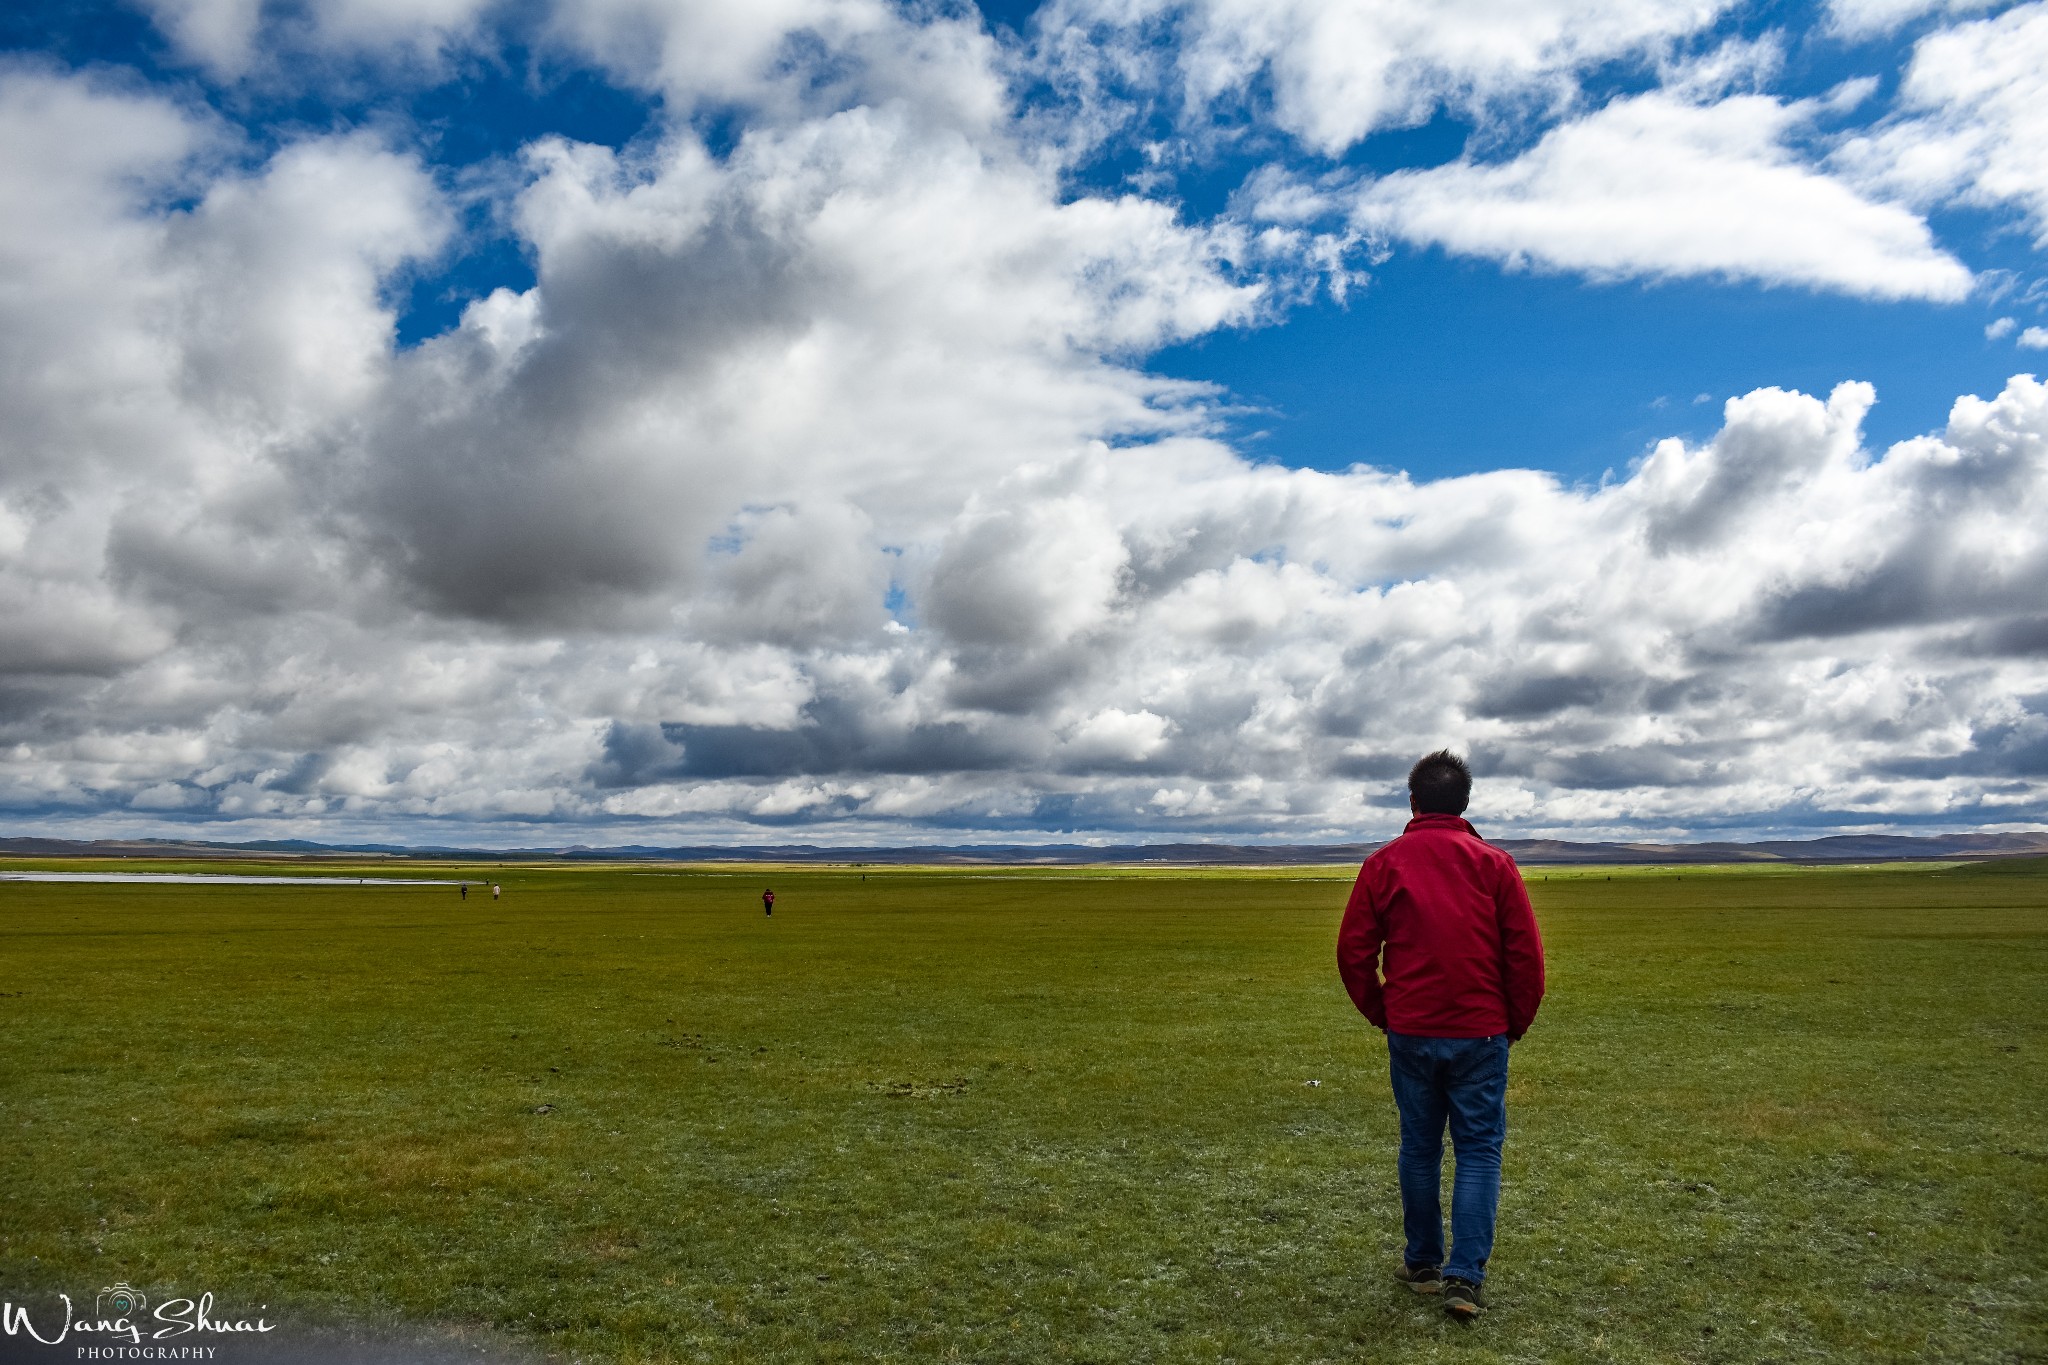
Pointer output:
1440, 783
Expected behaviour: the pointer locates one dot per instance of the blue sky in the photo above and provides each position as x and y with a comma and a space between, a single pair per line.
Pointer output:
688, 418
1554, 374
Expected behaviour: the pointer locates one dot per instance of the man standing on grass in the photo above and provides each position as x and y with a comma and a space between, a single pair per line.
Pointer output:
1439, 950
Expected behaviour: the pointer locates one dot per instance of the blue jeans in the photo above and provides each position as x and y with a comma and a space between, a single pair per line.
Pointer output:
1462, 1081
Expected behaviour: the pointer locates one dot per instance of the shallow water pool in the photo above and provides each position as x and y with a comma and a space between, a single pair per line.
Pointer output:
225, 878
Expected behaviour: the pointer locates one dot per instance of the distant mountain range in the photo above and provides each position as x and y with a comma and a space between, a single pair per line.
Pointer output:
1840, 848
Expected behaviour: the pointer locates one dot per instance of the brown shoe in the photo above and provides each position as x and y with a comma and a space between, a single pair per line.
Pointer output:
1462, 1299
1423, 1279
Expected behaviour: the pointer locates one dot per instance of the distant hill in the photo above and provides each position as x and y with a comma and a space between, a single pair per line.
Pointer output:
1839, 848
1835, 848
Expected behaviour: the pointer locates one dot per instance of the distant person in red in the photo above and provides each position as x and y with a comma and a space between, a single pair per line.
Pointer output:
767, 902
1439, 950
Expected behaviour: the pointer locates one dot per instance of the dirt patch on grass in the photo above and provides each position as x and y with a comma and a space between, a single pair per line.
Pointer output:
919, 1090
1831, 1122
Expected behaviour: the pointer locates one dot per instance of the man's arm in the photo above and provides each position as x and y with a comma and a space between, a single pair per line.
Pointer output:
1358, 951
1521, 952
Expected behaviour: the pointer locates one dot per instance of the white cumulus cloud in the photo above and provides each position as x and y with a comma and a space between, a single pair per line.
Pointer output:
1657, 185
230, 38
1972, 125
1872, 18
1342, 69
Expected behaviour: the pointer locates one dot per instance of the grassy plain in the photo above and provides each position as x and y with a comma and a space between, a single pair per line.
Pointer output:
1020, 1115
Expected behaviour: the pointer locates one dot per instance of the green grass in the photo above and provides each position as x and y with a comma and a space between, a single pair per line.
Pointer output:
1023, 1115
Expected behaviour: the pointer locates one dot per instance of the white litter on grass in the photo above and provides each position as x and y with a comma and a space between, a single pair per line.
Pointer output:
219, 878
1311, 1082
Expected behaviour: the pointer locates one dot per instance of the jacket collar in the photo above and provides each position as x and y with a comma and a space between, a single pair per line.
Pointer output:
1432, 821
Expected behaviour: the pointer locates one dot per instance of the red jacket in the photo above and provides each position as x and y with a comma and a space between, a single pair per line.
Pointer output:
1449, 914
